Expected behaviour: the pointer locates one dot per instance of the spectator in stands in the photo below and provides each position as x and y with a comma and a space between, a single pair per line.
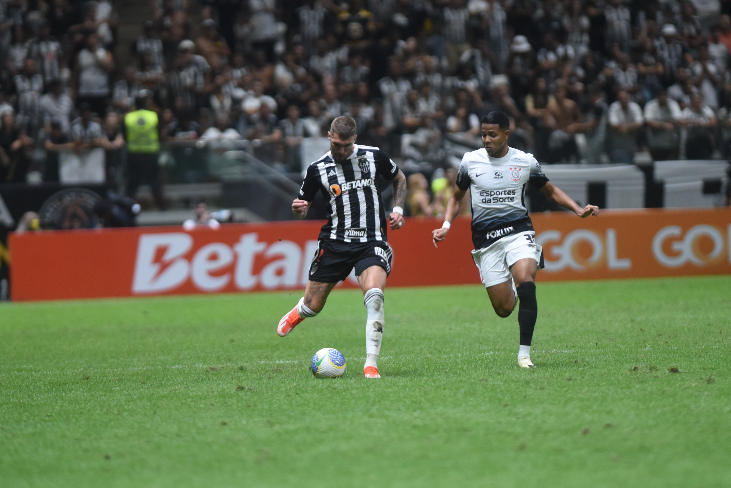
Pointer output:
625, 120
418, 197
47, 52
28, 85
212, 46
355, 26
619, 27
56, 141
650, 71
705, 76
86, 133
220, 99
125, 90
190, 79
663, 118
564, 119
265, 134
455, 16
682, 89
536, 108
150, 42
595, 125
724, 36
521, 68
700, 121
670, 51
91, 75
202, 218
315, 123
464, 124
150, 75
718, 53
113, 144
15, 151
293, 131
263, 31
17, 52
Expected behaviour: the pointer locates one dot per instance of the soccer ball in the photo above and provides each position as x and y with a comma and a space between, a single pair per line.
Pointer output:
328, 363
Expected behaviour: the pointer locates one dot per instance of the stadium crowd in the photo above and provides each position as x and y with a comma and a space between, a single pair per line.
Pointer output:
593, 81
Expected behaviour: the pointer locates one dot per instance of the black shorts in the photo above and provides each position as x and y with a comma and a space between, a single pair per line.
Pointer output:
334, 260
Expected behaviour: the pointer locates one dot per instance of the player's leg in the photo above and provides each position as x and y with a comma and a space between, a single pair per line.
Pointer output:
372, 269
329, 266
524, 273
372, 282
495, 275
310, 305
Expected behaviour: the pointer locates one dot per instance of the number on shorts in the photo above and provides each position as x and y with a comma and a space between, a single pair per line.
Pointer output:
530, 238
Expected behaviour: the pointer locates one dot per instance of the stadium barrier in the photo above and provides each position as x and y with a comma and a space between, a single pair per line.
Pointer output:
52, 265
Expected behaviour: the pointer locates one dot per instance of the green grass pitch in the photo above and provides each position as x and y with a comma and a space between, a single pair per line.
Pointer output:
632, 389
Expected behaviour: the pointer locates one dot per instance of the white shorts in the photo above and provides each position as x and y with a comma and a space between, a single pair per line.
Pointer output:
494, 262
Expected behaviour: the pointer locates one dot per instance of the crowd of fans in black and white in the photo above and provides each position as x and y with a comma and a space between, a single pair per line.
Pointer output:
586, 81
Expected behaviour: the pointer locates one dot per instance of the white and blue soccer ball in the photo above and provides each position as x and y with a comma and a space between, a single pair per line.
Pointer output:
328, 363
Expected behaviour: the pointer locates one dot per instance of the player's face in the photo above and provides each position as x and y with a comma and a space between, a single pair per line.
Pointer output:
340, 149
495, 140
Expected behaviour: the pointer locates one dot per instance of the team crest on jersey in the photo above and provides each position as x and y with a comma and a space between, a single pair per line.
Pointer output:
335, 190
364, 164
515, 173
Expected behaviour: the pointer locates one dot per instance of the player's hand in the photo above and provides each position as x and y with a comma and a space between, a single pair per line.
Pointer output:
396, 220
438, 235
300, 207
589, 210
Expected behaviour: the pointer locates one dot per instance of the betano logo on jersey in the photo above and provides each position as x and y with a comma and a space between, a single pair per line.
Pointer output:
335, 190
352, 185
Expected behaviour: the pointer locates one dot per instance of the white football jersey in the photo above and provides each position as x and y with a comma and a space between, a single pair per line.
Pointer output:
497, 188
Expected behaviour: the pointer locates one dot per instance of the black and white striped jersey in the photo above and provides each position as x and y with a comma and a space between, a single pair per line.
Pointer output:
355, 209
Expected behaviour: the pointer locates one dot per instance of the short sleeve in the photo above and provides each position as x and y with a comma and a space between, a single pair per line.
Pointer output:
463, 177
385, 166
537, 178
311, 184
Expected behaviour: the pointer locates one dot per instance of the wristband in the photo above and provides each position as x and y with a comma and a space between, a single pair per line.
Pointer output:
398, 210
446, 224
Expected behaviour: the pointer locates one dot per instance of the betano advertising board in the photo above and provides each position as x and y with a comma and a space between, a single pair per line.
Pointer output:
53, 265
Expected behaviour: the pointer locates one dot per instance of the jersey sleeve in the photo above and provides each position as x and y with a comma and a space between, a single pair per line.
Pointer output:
463, 177
537, 178
384, 165
311, 184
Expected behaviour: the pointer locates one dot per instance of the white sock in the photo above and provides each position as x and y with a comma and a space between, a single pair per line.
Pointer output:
371, 360
524, 351
374, 325
303, 310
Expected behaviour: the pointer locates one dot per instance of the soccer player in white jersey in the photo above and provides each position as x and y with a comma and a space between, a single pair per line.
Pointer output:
505, 251
354, 236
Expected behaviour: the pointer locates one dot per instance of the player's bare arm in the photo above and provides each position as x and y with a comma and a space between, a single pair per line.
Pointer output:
557, 195
300, 208
438, 235
396, 220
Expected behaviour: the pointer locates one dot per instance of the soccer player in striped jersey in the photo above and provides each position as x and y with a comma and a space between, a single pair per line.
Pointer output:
354, 236
505, 251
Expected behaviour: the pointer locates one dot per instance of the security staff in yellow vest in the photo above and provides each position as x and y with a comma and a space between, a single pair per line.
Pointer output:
142, 133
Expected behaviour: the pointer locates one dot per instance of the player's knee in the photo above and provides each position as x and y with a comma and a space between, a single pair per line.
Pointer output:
503, 311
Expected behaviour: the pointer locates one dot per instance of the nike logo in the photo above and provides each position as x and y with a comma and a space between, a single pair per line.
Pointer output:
477, 176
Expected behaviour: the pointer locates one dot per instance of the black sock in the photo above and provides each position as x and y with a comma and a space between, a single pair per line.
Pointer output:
527, 312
